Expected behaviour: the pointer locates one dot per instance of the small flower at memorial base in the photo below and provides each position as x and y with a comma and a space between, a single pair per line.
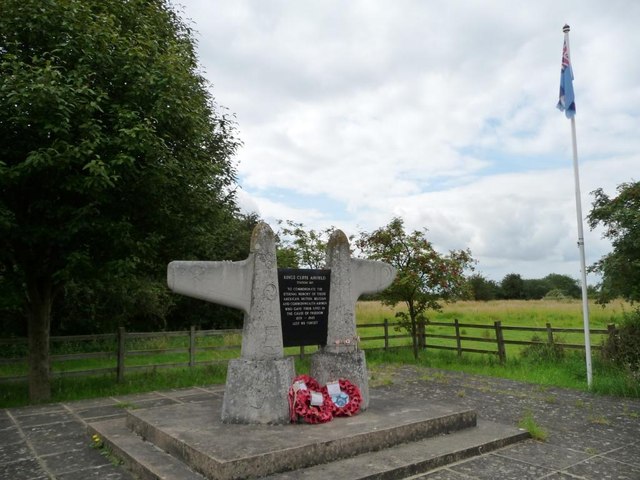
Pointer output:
96, 441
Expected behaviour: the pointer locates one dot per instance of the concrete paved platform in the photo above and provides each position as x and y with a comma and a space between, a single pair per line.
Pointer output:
194, 434
590, 437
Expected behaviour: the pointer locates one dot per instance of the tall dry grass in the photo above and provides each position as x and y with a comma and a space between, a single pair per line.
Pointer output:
560, 313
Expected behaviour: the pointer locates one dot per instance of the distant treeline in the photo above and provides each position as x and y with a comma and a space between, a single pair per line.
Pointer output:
514, 287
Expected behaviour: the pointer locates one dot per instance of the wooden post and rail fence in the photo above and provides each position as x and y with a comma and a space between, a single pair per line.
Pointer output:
121, 349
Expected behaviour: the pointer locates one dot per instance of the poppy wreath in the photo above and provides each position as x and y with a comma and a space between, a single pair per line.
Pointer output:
310, 382
300, 407
348, 402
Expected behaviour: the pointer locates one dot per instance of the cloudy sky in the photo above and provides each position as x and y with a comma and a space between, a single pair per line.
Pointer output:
438, 111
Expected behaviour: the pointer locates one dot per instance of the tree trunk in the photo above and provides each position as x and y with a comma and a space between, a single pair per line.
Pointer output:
414, 332
39, 322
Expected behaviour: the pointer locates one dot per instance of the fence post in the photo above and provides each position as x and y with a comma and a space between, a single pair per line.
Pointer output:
502, 353
422, 334
192, 346
301, 352
386, 334
549, 334
458, 339
121, 354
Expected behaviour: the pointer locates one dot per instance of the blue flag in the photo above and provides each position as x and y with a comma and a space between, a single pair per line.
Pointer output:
567, 101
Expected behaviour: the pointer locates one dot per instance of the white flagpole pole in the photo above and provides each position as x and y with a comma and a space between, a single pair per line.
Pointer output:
583, 268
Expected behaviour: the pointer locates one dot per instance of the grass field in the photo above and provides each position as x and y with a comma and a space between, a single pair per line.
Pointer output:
567, 371
530, 313
566, 313
541, 365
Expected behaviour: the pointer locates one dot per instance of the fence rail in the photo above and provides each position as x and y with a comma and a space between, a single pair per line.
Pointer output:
449, 336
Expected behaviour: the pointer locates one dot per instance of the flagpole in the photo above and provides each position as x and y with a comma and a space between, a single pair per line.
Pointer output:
583, 268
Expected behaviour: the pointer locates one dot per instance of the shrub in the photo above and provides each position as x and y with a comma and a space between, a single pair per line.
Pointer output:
555, 294
542, 351
623, 346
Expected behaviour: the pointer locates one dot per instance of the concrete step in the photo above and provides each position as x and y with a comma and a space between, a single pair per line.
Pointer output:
144, 459
413, 458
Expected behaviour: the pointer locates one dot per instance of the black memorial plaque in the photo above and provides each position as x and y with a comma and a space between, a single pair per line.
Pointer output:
304, 305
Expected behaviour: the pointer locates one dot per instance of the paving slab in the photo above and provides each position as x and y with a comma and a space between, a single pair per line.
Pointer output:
46, 418
100, 412
36, 409
629, 454
71, 461
198, 397
546, 454
26, 469
5, 421
444, 474
57, 438
14, 452
106, 472
598, 468
490, 467
9, 436
184, 392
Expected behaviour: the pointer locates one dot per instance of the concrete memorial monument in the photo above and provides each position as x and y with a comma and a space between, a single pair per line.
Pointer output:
258, 382
341, 357
313, 306
181, 441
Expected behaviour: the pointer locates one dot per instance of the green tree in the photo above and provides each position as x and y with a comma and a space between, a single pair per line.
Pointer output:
483, 289
620, 216
299, 247
534, 288
570, 287
141, 301
512, 286
425, 277
114, 158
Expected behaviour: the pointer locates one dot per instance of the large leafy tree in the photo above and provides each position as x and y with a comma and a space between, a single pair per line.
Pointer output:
512, 286
114, 157
482, 289
534, 288
620, 217
425, 278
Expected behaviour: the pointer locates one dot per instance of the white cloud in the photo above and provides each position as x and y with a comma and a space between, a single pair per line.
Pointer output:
441, 112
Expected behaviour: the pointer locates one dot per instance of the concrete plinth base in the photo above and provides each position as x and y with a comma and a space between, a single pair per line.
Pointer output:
257, 391
397, 437
327, 367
